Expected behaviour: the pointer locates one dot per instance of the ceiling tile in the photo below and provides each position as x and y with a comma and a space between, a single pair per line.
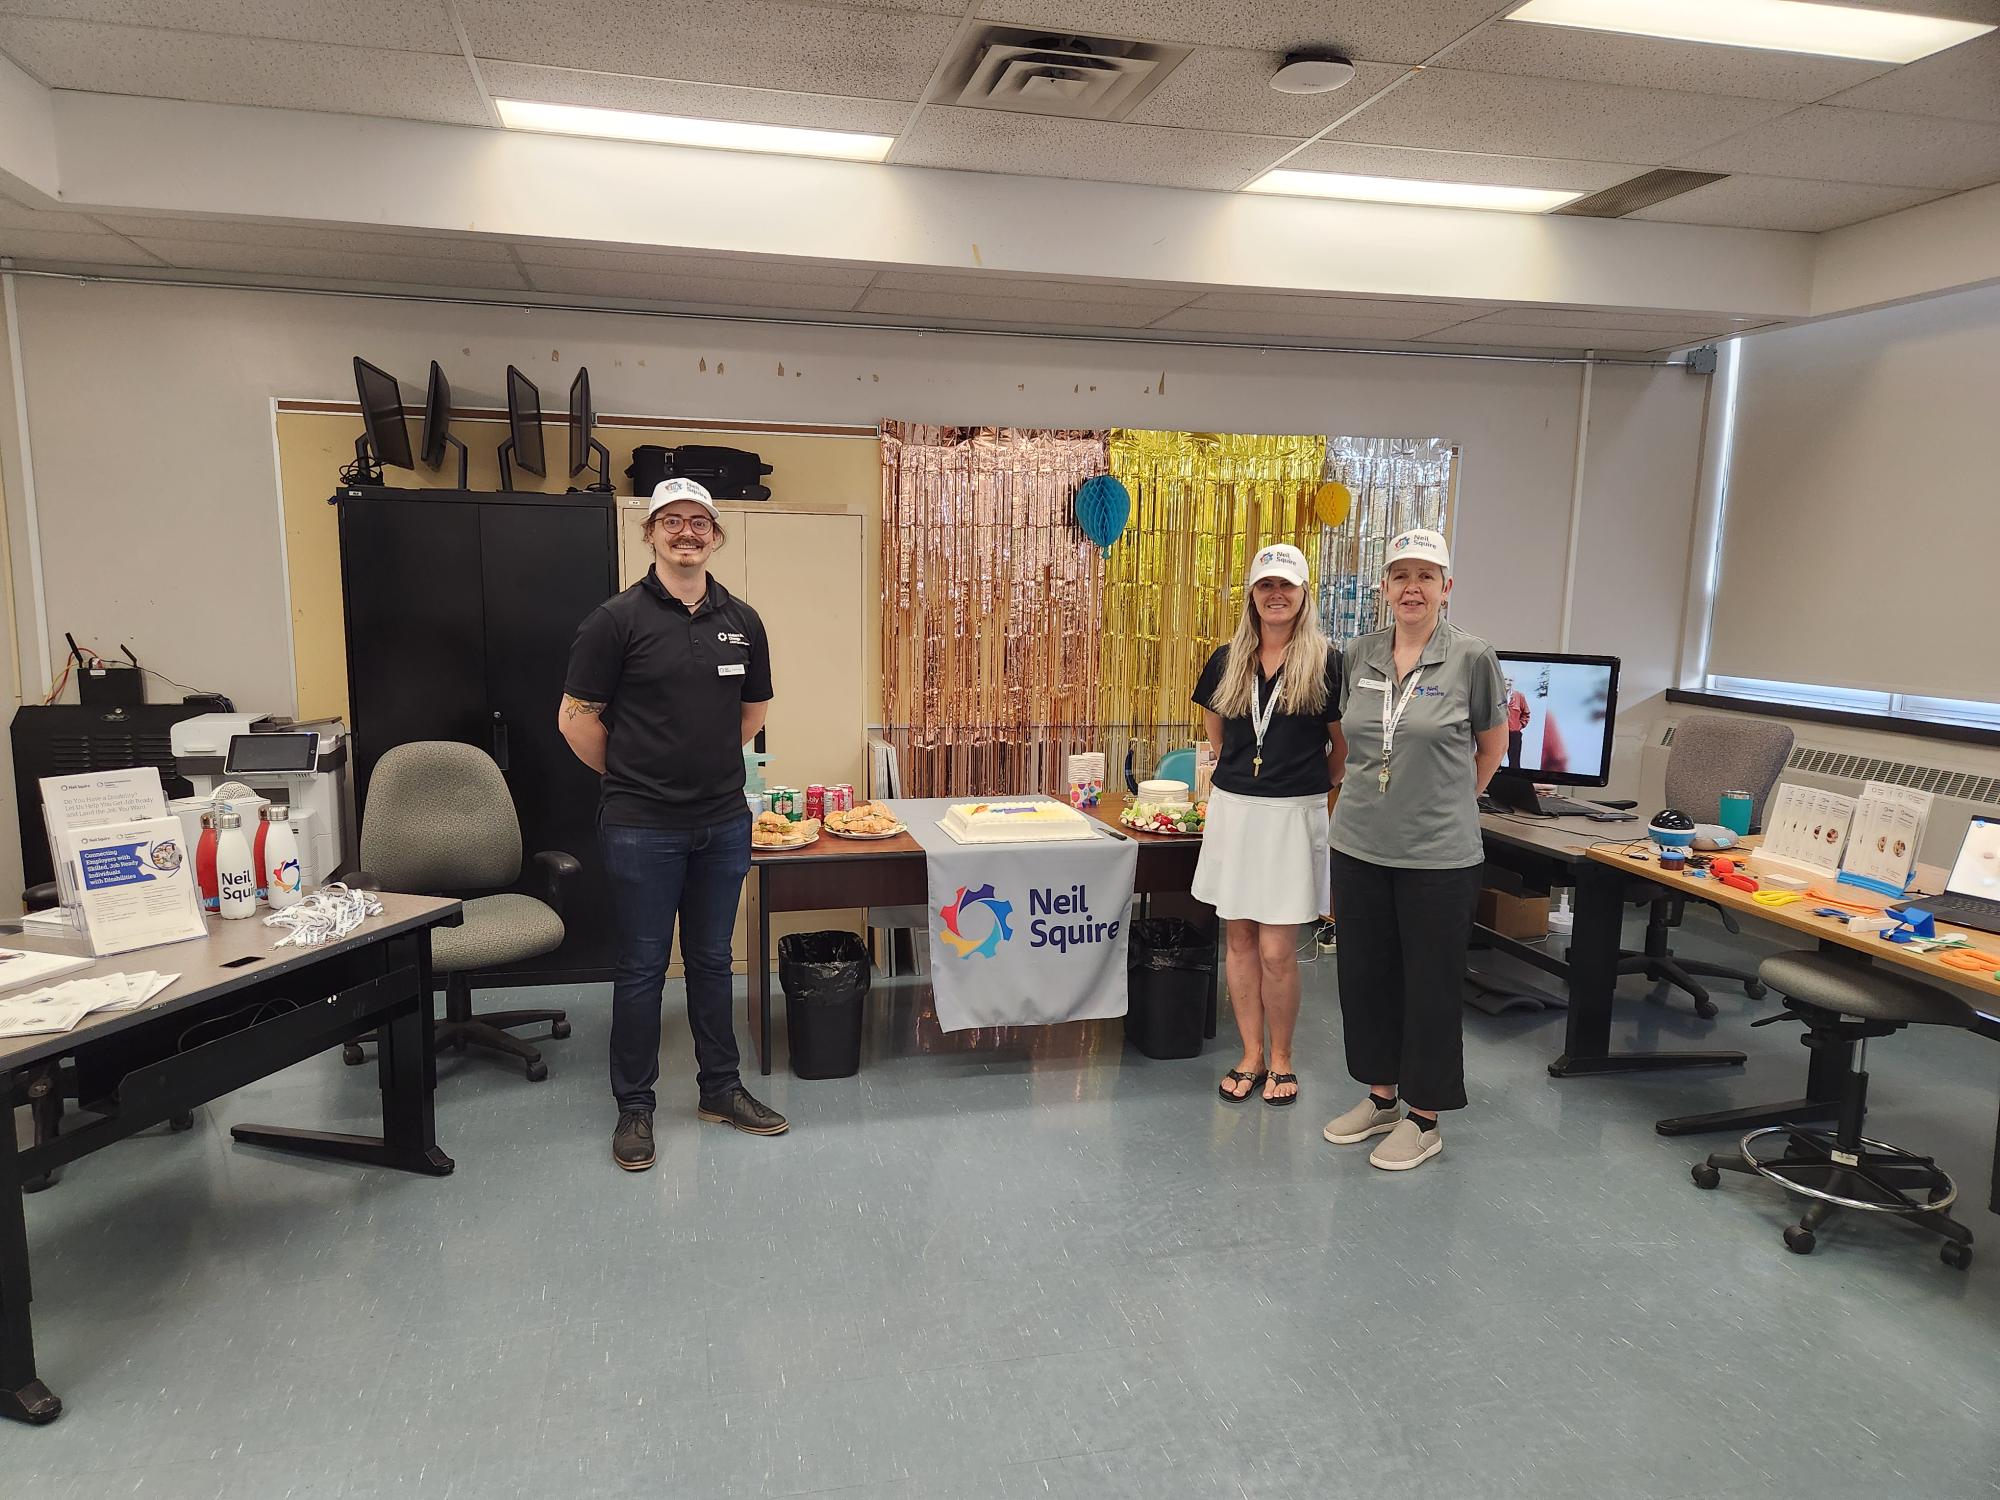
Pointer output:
1229, 89
1400, 33
1463, 166
396, 25
674, 286
243, 70
1495, 112
989, 284
1656, 63
1959, 10
48, 244
1860, 145
706, 101
1960, 83
1010, 312
657, 263
1350, 307
279, 260
332, 237
1486, 333
985, 140
773, 44
1746, 202
19, 216
1612, 318
1302, 324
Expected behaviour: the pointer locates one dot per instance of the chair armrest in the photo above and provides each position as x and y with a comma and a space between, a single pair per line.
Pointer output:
359, 880
39, 897
556, 869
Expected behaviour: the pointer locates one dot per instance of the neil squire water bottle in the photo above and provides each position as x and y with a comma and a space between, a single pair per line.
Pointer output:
278, 868
235, 872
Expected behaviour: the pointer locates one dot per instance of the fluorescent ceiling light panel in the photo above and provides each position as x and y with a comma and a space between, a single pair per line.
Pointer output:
684, 130
1520, 200
1770, 25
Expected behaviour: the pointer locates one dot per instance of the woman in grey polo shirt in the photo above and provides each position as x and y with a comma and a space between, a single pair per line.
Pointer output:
1424, 716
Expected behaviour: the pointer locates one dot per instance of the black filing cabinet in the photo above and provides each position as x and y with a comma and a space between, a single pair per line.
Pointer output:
460, 612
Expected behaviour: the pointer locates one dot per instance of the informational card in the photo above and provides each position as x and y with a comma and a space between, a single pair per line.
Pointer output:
1889, 826
94, 800
136, 885
1808, 826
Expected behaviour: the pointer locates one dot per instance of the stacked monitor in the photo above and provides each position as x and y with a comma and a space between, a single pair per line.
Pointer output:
385, 435
582, 440
524, 429
1561, 711
437, 425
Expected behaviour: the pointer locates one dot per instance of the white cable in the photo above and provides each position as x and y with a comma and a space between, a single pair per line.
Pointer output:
326, 916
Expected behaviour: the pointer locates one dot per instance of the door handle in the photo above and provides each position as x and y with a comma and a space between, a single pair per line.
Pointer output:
500, 742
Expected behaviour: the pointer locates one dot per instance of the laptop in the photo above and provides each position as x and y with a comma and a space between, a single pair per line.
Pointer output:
1972, 895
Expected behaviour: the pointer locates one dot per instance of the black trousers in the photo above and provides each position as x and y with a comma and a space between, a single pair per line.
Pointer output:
1403, 936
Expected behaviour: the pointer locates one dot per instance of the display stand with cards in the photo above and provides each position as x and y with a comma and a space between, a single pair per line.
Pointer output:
124, 873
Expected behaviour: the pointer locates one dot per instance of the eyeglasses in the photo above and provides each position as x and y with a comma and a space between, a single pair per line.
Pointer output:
693, 525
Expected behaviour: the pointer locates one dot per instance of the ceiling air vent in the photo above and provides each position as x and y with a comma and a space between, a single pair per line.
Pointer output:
1639, 192
1045, 73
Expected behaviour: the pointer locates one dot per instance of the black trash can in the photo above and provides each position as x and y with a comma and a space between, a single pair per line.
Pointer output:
825, 977
1170, 966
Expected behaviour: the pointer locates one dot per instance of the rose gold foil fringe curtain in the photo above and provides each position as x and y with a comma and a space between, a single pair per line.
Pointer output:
992, 600
1202, 502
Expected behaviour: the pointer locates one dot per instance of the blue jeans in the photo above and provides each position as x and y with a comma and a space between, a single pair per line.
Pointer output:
656, 876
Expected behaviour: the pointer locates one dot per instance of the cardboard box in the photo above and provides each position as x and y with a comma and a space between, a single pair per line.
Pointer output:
1512, 914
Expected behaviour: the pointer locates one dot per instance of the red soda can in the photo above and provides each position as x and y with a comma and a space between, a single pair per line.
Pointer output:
843, 797
816, 801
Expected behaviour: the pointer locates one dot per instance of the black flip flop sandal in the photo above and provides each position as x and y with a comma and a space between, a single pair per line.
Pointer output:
1283, 1099
1255, 1080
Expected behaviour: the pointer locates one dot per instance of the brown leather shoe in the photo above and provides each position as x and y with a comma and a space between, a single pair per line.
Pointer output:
736, 1107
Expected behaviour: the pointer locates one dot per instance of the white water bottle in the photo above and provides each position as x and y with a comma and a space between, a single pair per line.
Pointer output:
280, 873
235, 871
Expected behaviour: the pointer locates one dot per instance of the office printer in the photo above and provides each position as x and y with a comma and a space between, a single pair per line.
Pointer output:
303, 766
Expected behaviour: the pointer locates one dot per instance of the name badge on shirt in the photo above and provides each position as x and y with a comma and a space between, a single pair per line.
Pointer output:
730, 669
1375, 683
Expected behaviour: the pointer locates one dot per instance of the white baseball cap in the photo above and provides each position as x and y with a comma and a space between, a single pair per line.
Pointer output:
667, 491
1279, 560
1426, 545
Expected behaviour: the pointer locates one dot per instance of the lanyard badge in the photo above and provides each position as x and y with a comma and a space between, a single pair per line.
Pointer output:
1390, 719
1260, 717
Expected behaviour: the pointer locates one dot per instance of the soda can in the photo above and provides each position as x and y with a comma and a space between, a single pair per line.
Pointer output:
843, 797
782, 802
816, 801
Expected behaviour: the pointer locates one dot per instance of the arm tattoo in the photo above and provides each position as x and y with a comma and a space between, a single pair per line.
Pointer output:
580, 708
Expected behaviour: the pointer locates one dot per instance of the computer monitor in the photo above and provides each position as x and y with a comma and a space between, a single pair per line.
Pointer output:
582, 441
524, 429
385, 436
437, 425
1560, 714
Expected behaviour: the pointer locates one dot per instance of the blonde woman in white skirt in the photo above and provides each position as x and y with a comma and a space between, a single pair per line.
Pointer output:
1271, 703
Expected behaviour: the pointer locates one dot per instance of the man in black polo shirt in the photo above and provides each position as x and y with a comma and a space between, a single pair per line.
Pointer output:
667, 683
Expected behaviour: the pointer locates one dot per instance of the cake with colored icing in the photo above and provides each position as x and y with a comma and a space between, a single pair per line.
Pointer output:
1014, 822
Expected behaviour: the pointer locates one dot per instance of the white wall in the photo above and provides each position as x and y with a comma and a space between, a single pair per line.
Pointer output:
152, 428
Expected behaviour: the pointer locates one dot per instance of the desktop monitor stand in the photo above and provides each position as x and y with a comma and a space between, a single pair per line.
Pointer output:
1516, 794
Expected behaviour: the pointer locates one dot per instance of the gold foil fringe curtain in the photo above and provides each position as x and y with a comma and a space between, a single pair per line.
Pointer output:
991, 606
1202, 502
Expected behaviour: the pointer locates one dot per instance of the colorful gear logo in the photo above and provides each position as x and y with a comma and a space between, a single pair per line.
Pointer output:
954, 913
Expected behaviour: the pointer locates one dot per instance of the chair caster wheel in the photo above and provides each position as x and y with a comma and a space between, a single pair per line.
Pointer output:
537, 1071
352, 1055
1955, 1255
1756, 989
558, 1030
1799, 1241
178, 1123
1706, 1009
1705, 1176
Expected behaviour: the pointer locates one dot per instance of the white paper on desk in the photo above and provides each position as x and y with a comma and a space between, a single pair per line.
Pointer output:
39, 1014
136, 884
118, 992
19, 966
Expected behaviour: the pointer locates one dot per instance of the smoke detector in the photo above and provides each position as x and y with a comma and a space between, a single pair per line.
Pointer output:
1312, 71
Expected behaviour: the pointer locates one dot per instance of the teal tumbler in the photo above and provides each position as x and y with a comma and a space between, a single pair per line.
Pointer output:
1736, 812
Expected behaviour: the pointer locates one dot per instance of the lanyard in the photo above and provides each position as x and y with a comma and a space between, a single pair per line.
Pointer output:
1391, 719
1260, 716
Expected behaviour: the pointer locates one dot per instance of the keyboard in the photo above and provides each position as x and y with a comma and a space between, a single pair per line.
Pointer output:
1963, 911
1567, 807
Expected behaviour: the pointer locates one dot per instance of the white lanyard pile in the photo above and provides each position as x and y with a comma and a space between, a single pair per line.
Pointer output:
1260, 716
1391, 720
324, 917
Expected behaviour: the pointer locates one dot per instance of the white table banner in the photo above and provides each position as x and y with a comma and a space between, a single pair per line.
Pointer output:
1024, 934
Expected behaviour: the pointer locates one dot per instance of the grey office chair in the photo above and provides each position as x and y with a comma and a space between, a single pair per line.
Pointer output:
1711, 754
441, 822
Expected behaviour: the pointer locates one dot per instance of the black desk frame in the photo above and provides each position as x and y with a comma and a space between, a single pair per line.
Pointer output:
138, 1076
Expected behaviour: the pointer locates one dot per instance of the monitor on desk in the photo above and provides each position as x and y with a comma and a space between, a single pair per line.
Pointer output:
1560, 713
